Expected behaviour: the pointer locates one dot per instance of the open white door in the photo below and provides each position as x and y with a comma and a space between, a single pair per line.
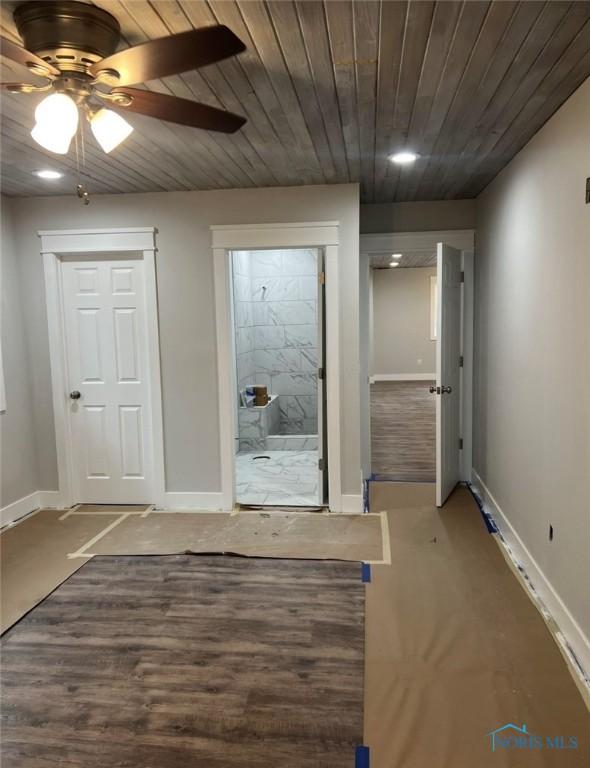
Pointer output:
321, 406
448, 379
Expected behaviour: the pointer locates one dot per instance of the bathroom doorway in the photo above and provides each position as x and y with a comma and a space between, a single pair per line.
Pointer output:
278, 345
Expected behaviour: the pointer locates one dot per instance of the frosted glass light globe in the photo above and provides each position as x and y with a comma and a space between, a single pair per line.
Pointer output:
59, 112
109, 129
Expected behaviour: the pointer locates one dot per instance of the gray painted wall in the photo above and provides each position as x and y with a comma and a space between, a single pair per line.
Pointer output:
532, 344
18, 457
187, 312
417, 216
401, 321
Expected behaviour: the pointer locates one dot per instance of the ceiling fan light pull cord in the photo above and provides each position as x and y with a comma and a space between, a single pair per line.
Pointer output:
81, 190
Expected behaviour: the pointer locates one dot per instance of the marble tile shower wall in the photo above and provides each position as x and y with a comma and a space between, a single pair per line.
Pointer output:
244, 329
276, 330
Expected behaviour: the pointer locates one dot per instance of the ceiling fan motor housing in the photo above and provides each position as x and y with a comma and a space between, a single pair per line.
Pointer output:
67, 34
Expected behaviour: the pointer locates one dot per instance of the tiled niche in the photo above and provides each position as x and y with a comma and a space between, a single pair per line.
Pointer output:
275, 310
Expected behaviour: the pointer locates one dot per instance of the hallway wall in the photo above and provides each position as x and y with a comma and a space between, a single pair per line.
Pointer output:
184, 264
401, 322
532, 342
18, 456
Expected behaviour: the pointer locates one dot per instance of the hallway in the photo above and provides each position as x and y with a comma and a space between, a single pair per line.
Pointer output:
403, 431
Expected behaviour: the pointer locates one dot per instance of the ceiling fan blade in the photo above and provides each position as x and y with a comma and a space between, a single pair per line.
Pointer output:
33, 63
19, 87
171, 55
176, 110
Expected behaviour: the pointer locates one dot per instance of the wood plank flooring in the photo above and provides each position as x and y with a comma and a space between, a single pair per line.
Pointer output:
403, 431
176, 661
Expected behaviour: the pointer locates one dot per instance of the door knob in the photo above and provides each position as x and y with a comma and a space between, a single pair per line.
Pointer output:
75, 395
434, 390
446, 390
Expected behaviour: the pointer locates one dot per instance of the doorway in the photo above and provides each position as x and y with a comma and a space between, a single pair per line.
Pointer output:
278, 343
403, 367
318, 235
418, 369
105, 366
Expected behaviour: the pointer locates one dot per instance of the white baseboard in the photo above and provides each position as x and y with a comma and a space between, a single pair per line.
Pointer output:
51, 499
19, 508
212, 502
545, 596
402, 377
352, 502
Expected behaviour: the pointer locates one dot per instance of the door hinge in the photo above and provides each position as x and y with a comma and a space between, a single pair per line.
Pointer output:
462, 277
322, 278
460, 361
321, 373
321, 464
460, 443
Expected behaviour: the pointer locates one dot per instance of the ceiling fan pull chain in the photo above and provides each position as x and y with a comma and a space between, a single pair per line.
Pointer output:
81, 190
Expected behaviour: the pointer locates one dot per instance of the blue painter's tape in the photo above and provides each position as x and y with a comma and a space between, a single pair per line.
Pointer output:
362, 757
489, 521
366, 572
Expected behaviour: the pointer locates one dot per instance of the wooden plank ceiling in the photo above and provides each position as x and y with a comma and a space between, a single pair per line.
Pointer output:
408, 260
330, 89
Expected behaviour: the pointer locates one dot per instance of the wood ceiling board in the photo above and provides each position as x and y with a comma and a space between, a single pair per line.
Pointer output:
315, 38
330, 88
392, 26
409, 259
547, 98
443, 27
415, 42
464, 38
521, 22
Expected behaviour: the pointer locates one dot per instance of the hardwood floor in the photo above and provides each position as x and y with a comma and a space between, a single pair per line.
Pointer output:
403, 439
189, 661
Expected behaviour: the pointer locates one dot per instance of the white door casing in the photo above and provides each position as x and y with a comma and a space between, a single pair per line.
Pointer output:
100, 289
227, 238
107, 364
448, 372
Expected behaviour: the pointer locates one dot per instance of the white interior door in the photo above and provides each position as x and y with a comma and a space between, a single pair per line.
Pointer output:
107, 375
448, 379
321, 409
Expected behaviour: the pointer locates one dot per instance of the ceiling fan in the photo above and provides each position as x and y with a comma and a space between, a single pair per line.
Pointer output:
72, 45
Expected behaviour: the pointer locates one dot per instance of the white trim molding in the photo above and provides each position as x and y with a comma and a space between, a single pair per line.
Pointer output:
352, 503
19, 508
99, 243
542, 592
209, 502
402, 377
228, 238
388, 242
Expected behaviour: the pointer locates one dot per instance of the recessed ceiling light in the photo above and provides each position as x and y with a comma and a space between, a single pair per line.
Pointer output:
396, 255
46, 174
394, 264
403, 158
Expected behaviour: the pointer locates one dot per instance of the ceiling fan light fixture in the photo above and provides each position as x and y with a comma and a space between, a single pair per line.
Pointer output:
52, 138
109, 129
60, 111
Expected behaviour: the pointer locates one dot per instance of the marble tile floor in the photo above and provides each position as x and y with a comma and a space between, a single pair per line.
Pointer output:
286, 478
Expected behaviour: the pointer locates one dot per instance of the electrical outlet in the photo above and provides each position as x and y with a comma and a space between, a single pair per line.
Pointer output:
550, 533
